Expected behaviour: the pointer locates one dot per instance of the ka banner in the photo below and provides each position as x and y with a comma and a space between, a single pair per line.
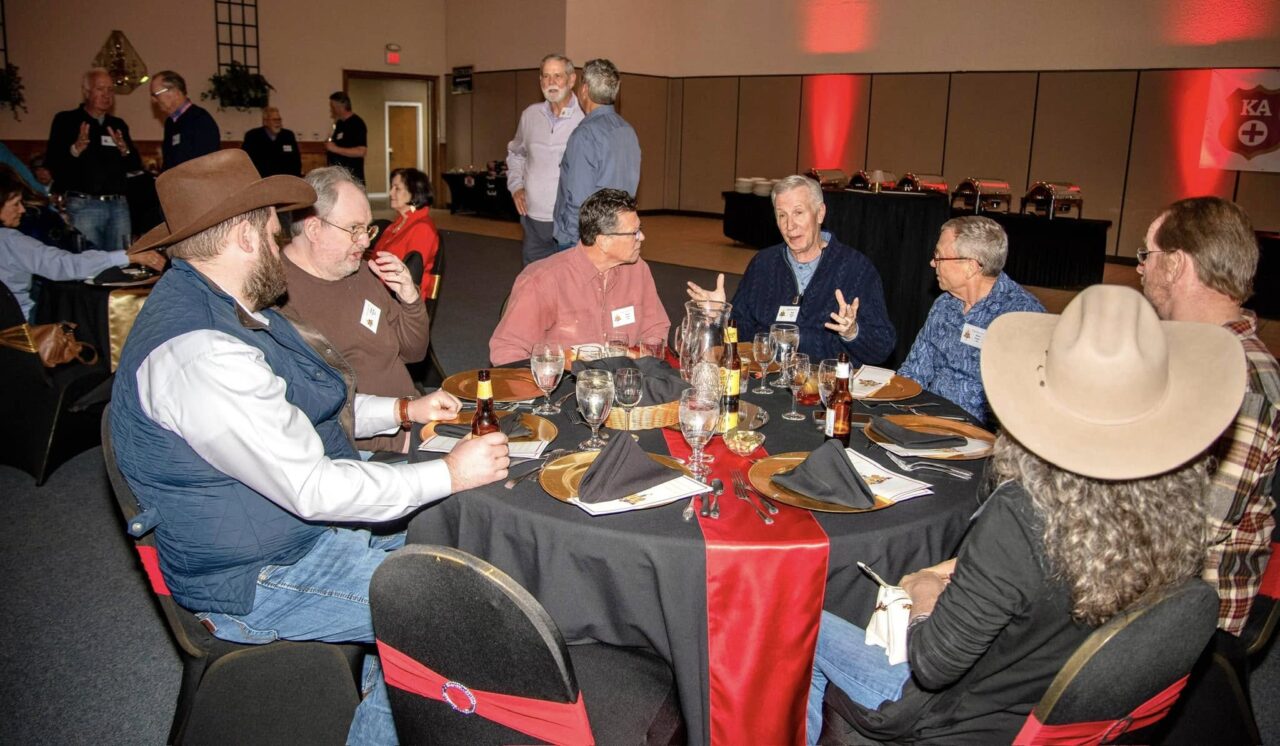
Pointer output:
1242, 123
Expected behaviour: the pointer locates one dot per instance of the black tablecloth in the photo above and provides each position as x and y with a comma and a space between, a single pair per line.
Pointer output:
1057, 253
638, 579
897, 231
81, 303
1266, 284
485, 195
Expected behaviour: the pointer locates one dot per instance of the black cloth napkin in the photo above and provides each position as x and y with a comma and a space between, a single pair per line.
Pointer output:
899, 435
119, 275
619, 470
829, 476
512, 425
661, 383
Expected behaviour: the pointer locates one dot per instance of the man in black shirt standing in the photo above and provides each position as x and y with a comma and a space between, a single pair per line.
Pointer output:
272, 148
350, 139
189, 130
90, 153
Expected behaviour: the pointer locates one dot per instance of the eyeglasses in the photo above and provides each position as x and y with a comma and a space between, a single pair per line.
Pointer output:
635, 232
1144, 253
937, 258
356, 231
156, 94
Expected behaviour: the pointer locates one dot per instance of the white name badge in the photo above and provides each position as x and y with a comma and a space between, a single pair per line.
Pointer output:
287, 148
788, 313
177, 139
624, 316
107, 142
339, 136
972, 335
370, 316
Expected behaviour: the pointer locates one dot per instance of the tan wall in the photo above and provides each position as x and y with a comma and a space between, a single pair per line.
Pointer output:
834, 113
503, 34
907, 130
304, 44
644, 104
708, 136
768, 126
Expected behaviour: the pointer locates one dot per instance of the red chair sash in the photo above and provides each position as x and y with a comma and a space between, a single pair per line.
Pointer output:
553, 722
1270, 585
151, 563
1035, 733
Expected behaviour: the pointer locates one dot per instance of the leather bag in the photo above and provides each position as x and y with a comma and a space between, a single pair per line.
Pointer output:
56, 344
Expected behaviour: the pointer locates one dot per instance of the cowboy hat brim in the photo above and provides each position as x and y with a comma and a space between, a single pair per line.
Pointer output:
282, 192
1206, 377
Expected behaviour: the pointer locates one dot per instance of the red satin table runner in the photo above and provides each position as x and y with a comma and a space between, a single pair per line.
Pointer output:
765, 587
553, 722
1035, 733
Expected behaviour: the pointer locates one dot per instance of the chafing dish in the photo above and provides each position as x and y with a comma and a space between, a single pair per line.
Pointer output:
978, 194
1050, 198
829, 178
913, 182
872, 181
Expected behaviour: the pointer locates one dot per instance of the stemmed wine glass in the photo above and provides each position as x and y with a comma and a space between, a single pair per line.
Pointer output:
699, 415
796, 371
547, 364
786, 338
627, 391
595, 399
762, 353
826, 379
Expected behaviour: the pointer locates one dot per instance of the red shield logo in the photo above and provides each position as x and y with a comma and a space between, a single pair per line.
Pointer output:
1251, 125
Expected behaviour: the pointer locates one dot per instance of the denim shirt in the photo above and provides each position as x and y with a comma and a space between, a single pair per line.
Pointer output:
603, 152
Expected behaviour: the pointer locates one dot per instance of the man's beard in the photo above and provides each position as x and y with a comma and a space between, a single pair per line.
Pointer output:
266, 283
556, 97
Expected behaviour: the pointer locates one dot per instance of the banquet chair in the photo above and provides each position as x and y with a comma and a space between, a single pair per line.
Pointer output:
428, 371
451, 625
279, 693
44, 428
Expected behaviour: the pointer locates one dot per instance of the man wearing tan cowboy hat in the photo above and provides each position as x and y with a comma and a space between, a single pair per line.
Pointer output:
228, 422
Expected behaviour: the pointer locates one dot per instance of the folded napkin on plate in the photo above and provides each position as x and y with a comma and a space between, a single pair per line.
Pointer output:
512, 426
906, 438
619, 470
661, 383
829, 476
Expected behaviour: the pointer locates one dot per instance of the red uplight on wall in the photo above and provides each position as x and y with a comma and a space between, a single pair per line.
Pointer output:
1189, 103
1205, 22
837, 26
829, 112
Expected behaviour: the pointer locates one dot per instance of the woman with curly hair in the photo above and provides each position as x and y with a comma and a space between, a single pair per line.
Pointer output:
1101, 471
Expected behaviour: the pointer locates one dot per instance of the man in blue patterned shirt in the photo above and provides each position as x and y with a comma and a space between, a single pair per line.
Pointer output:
968, 259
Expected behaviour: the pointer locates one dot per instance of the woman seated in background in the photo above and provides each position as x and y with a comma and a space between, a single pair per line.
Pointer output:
1101, 471
23, 257
412, 237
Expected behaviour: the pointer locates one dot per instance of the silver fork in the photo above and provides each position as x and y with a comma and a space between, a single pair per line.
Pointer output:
740, 489
546, 458
953, 471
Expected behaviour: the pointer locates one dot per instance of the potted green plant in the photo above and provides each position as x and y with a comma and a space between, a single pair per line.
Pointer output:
237, 88
11, 90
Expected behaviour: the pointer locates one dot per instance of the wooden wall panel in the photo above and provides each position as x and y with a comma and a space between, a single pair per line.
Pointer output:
1083, 121
675, 136
1259, 194
709, 119
768, 126
528, 91
989, 122
457, 127
1164, 159
494, 115
644, 106
834, 111
908, 121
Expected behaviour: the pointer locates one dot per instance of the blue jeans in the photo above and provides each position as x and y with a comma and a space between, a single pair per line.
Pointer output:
105, 224
324, 596
860, 670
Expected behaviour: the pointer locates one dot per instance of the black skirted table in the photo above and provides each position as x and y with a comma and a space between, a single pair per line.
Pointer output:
1266, 283
481, 193
640, 578
1057, 253
103, 315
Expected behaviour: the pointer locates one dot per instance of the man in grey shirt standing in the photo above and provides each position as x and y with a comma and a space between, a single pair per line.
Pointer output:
603, 152
533, 157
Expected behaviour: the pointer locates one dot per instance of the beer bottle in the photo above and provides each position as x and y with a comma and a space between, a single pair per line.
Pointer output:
840, 403
485, 420
730, 368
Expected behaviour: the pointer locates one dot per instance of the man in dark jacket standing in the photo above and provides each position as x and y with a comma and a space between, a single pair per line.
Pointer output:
272, 148
189, 130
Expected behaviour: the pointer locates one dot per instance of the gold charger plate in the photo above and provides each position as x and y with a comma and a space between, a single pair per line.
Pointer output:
509, 384
561, 477
897, 389
937, 426
761, 478
542, 428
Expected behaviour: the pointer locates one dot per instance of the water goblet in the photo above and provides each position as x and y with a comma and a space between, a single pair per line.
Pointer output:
762, 353
627, 390
786, 339
547, 365
826, 379
699, 415
616, 345
796, 371
655, 347
595, 399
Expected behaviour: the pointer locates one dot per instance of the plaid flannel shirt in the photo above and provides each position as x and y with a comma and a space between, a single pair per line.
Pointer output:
1240, 505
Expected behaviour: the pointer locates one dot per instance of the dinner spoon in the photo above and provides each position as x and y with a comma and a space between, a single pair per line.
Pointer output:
717, 487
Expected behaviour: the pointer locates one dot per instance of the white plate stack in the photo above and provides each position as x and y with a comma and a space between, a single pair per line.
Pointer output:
743, 184
762, 187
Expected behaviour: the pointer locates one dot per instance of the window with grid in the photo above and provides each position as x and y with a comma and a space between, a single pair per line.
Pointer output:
237, 26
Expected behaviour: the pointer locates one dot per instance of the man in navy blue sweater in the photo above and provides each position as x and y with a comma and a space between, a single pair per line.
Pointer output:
831, 291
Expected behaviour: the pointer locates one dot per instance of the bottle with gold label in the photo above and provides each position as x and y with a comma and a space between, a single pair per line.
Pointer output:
485, 420
840, 403
730, 368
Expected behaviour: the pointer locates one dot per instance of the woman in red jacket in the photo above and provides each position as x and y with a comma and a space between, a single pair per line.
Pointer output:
413, 233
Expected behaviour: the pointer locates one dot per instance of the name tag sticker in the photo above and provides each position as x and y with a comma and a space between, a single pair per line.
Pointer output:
338, 136
287, 148
107, 142
788, 313
177, 139
369, 316
624, 316
972, 335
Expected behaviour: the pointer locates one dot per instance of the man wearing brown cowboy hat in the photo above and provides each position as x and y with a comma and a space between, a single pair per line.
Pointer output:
228, 422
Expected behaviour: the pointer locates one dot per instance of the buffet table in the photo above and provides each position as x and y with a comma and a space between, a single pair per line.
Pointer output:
641, 578
479, 193
1058, 253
